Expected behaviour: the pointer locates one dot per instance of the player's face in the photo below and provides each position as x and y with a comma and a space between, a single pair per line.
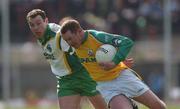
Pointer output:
73, 39
38, 25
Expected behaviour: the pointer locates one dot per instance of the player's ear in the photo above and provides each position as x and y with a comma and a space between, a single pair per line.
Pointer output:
46, 20
80, 31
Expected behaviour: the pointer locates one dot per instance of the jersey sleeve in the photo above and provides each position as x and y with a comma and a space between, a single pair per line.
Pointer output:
122, 43
55, 27
61, 43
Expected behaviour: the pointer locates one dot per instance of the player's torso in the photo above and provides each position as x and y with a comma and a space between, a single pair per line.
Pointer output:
61, 57
86, 53
52, 52
56, 58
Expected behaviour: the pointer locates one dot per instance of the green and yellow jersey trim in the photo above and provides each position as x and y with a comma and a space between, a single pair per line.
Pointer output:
58, 44
66, 63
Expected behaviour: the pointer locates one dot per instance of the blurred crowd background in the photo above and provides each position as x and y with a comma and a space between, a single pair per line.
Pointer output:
141, 20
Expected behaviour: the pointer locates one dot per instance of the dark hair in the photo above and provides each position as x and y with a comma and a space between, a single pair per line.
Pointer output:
34, 13
71, 25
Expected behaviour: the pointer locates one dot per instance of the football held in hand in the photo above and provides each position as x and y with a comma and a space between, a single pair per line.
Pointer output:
105, 53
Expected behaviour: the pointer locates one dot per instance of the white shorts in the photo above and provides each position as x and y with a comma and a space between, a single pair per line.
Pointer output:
127, 84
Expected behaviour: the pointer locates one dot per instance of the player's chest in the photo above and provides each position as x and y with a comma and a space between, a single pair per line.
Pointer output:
50, 50
88, 49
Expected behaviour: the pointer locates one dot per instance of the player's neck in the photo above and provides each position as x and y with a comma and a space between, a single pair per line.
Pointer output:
83, 36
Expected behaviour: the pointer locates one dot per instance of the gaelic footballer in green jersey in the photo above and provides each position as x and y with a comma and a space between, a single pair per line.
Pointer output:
116, 82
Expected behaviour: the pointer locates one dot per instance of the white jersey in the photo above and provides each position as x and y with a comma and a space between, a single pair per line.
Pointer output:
53, 47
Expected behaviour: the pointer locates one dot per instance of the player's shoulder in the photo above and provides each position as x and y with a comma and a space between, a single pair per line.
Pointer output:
54, 27
96, 33
93, 32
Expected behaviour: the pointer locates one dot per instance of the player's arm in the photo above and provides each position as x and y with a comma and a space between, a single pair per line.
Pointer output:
122, 43
61, 44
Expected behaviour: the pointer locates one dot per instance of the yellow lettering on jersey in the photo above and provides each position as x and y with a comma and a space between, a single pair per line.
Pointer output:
90, 63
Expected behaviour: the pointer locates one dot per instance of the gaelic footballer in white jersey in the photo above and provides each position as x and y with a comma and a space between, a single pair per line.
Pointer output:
53, 47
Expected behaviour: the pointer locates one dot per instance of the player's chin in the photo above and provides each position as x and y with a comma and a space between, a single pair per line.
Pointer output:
38, 34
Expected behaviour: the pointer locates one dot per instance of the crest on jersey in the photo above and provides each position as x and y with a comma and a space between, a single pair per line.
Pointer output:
116, 42
90, 52
48, 52
49, 49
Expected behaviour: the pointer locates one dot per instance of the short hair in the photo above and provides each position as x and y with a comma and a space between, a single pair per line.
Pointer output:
34, 13
71, 25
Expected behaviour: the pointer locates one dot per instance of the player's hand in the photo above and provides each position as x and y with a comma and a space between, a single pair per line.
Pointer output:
107, 65
128, 62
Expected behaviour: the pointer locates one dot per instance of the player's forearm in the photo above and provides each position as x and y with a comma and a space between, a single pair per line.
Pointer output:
123, 50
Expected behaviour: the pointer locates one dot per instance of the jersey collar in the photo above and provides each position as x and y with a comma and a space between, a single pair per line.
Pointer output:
85, 36
43, 40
